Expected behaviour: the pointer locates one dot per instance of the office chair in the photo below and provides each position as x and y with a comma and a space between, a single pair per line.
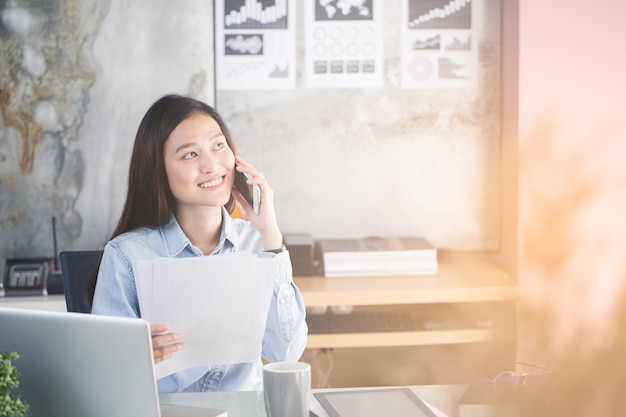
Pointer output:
77, 268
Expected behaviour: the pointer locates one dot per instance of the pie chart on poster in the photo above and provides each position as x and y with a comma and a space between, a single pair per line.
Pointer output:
420, 68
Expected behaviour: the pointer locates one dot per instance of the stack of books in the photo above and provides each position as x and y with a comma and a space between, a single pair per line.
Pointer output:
375, 256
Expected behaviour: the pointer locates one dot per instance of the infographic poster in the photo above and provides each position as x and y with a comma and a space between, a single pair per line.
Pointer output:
439, 44
344, 44
255, 44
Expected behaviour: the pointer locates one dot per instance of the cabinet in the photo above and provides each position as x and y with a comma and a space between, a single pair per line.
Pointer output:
471, 301
464, 284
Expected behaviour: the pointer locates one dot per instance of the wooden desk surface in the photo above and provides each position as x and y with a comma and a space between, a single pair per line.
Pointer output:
461, 278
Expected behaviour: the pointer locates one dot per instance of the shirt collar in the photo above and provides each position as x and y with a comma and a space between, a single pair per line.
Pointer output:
229, 231
176, 241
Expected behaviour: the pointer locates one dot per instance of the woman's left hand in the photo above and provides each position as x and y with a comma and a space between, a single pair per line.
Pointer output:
265, 221
164, 345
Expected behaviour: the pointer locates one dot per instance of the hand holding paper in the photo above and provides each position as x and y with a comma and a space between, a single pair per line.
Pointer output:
218, 303
164, 343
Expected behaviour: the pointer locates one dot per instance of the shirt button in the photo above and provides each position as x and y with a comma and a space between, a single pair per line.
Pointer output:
283, 301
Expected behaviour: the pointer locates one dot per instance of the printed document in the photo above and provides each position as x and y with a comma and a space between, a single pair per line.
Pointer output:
218, 303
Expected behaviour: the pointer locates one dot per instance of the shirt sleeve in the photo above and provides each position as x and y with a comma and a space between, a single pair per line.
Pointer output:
115, 293
286, 331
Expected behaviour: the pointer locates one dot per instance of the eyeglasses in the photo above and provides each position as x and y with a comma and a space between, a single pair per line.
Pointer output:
536, 379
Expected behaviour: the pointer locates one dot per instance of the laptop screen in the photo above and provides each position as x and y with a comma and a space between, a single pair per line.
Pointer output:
74, 364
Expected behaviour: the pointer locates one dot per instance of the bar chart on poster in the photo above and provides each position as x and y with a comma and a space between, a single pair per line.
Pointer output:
254, 15
440, 48
440, 14
255, 44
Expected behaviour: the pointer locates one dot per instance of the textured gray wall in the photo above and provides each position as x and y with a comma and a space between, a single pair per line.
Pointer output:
357, 162
79, 75
342, 162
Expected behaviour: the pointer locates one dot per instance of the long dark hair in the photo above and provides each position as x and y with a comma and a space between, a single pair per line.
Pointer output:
149, 200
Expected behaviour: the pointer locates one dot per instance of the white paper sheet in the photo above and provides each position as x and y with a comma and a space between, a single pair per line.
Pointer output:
219, 303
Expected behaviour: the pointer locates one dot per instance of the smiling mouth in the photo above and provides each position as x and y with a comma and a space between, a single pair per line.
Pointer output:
212, 183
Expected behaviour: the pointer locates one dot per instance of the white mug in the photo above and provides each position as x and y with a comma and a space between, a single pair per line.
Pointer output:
287, 388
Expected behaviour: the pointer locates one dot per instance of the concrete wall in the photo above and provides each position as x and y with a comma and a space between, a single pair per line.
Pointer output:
76, 78
343, 163
387, 161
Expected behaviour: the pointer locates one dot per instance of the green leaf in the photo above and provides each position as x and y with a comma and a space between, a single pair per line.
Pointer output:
10, 405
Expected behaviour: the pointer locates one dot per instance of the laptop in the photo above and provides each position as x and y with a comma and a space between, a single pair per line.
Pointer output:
79, 365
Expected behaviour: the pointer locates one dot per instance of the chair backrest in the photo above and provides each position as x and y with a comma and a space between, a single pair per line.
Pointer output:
78, 268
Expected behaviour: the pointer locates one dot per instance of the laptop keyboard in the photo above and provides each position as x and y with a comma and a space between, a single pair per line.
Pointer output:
360, 322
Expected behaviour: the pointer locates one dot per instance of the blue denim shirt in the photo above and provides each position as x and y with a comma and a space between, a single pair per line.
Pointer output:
285, 332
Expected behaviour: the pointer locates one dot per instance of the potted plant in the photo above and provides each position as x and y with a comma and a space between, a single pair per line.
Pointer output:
10, 405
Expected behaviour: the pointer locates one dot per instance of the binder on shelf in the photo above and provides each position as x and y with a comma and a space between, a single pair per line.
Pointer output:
376, 256
300, 246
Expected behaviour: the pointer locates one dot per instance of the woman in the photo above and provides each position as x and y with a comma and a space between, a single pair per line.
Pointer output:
179, 204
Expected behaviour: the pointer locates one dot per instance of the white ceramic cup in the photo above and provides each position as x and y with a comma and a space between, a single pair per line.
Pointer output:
286, 389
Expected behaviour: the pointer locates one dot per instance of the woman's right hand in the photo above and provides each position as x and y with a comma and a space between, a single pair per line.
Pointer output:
164, 345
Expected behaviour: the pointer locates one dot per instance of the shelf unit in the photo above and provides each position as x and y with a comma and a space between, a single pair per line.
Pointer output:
467, 286
462, 279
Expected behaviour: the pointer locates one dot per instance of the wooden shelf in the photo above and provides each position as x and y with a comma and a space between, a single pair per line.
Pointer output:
417, 338
462, 279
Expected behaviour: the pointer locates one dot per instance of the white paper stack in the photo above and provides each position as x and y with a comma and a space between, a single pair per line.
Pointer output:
376, 257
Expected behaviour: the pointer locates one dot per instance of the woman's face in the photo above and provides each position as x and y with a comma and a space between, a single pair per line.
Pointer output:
199, 163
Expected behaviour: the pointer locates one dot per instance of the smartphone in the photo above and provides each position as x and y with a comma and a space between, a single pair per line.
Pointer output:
252, 194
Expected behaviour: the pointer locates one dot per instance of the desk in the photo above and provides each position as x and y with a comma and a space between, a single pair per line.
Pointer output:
35, 302
251, 404
463, 282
